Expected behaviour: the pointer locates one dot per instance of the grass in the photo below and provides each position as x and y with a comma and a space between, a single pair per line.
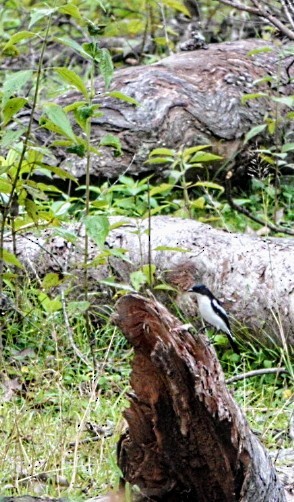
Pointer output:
47, 446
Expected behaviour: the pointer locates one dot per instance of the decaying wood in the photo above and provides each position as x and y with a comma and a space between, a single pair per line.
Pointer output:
254, 276
189, 98
187, 438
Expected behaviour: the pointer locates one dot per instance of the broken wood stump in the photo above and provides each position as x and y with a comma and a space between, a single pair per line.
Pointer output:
187, 439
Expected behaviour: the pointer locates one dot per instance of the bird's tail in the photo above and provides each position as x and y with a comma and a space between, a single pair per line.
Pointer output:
233, 343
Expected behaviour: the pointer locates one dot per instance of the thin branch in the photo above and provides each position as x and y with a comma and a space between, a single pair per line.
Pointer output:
259, 11
249, 374
243, 210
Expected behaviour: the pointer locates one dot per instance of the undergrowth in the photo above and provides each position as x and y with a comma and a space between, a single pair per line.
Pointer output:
65, 374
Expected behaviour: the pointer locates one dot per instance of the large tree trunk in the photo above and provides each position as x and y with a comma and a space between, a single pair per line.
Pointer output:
253, 276
191, 98
187, 438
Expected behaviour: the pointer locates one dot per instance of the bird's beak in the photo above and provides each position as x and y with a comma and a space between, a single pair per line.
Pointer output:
190, 290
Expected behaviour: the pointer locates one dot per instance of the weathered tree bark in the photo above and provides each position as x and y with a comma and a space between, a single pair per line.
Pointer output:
253, 276
187, 438
191, 98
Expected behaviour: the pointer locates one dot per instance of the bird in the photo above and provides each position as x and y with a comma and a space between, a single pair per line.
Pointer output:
212, 312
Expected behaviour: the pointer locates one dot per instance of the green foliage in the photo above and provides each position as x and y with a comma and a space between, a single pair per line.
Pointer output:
58, 375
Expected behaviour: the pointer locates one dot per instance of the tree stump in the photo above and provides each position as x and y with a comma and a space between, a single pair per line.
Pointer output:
187, 439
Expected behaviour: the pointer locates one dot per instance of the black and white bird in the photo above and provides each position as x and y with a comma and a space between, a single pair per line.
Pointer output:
212, 312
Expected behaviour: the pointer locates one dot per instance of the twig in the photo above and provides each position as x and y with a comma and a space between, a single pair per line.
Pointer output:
243, 210
259, 11
69, 332
249, 374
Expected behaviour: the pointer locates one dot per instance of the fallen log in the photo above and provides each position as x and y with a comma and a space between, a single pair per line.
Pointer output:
190, 98
187, 438
253, 276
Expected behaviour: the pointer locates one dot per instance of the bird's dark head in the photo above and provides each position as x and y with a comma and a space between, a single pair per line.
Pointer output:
201, 289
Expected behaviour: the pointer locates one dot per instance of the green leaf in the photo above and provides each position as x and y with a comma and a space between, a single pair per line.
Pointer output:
61, 173
177, 5
123, 97
204, 157
72, 78
97, 228
248, 97
73, 45
254, 132
18, 37
71, 10
162, 151
285, 100
163, 187
13, 84
198, 203
57, 116
159, 160
106, 67
169, 248
209, 184
10, 137
50, 306
5, 186
259, 51
38, 14
51, 280
193, 149
77, 308
288, 147
138, 279
11, 259
12, 106
113, 141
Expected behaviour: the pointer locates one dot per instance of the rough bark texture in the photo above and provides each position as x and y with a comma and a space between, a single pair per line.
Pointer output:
187, 99
187, 438
253, 276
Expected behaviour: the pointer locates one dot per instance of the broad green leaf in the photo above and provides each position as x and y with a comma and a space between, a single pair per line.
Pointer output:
149, 272
18, 37
106, 67
198, 203
113, 141
61, 173
285, 100
97, 228
71, 10
11, 259
209, 184
205, 157
177, 5
288, 147
14, 83
138, 279
12, 106
73, 79
194, 149
73, 45
163, 187
50, 306
38, 14
254, 132
77, 308
162, 151
51, 280
10, 137
5, 186
123, 97
248, 97
56, 114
